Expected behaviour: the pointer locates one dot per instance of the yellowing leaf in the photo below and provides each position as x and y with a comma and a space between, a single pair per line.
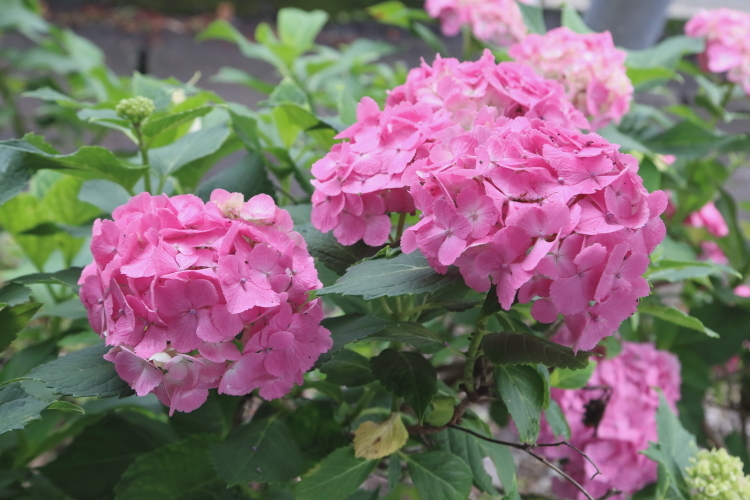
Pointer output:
377, 440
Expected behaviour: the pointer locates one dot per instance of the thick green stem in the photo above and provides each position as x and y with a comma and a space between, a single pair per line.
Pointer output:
400, 228
466, 32
144, 159
473, 353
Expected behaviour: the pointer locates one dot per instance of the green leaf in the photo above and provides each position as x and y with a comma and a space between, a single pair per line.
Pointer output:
288, 92
503, 348
439, 475
336, 477
666, 54
521, 388
180, 470
350, 328
170, 158
348, 368
81, 374
14, 174
89, 162
13, 319
215, 416
676, 316
471, 450
68, 277
430, 38
234, 75
672, 452
101, 453
565, 378
556, 420
614, 135
647, 78
533, 18
405, 274
393, 12
13, 294
65, 406
222, 30
261, 451
407, 375
675, 271
572, 20
49, 94
332, 254
18, 408
298, 28
156, 126
248, 176
103, 194
410, 332
687, 139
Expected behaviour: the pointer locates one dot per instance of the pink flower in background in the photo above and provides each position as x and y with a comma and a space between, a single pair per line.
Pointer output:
710, 218
179, 287
626, 388
727, 43
496, 21
588, 65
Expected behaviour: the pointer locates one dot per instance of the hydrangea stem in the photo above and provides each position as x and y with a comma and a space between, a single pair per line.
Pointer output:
144, 157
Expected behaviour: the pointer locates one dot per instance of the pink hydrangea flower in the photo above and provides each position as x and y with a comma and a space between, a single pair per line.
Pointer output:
626, 386
496, 21
550, 215
588, 65
362, 180
186, 292
727, 43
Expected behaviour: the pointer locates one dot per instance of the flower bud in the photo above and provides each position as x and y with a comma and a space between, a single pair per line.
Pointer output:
135, 109
716, 475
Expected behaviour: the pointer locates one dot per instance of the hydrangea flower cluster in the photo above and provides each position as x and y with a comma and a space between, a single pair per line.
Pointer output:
710, 218
359, 182
545, 211
194, 296
625, 387
496, 21
508, 188
727, 43
588, 65
716, 475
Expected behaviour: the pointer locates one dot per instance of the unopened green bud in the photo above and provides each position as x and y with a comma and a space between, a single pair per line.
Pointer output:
135, 109
716, 475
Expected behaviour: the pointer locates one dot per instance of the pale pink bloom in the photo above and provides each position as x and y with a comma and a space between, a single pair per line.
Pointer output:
710, 218
727, 43
172, 276
588, 65
742, 291
710, 250
496, 21
627, 384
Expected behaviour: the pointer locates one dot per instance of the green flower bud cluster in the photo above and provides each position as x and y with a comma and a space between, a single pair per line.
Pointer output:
716, 475
135, 109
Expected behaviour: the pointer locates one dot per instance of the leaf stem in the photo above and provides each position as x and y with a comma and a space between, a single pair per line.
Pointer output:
400, 228
472, 354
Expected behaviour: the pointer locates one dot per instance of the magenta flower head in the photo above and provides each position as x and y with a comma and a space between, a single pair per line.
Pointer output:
495, 21
194, 296
588, 65
727, 43
613, 419
508, 189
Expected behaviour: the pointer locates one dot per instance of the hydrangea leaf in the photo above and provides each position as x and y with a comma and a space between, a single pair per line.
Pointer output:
676, 316
350, 328
332, 254
404, 274
261, 451
533, 17
407, 375
18, 408
565, 378
377, 440
176, 471
521, 388
82, 373
155, 126
509, 348
556, 420
471, 449
13, 319
336, 477
348, 368
170, 158
672, 453
439, 475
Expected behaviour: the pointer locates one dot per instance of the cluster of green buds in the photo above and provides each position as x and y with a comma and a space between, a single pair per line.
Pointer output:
135, 109
716, 475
